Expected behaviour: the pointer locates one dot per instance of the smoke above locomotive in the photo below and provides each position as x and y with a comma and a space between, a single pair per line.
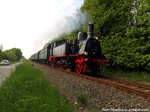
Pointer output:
67, 24
80, 55
64, 23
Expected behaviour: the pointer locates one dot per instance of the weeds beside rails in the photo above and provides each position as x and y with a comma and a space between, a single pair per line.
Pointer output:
129, 75
27, 90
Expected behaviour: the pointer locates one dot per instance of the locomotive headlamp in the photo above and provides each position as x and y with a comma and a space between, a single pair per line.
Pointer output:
86, 53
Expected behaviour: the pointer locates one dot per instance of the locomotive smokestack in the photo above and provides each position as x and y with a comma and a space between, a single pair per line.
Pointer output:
90, 30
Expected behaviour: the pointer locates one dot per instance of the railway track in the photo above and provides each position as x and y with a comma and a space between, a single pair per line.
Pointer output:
124, 85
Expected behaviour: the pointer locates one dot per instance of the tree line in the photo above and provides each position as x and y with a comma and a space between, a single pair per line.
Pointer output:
13, 55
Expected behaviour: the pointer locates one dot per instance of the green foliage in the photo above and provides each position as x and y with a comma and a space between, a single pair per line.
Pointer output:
128, 53
139, 76
27, 90
142, 27
109, 16
82, 99
13, 54
0, 55
70, 36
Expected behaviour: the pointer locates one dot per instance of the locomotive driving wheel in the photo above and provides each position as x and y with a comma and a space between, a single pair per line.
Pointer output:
79, 68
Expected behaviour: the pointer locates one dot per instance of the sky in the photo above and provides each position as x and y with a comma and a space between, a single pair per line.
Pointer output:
30, 24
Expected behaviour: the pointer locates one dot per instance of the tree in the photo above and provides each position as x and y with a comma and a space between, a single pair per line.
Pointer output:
13, 54
110, 17
1, 47
18, 53
0, 54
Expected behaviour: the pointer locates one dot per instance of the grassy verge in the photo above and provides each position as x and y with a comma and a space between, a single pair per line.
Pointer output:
132, 76
27, 90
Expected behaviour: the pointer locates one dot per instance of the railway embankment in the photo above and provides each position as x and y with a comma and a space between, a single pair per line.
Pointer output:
98, 97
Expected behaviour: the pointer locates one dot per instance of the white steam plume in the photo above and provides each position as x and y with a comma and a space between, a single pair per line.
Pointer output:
67, 24
67, 18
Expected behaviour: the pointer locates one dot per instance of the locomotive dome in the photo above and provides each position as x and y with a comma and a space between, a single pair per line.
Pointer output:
82, 36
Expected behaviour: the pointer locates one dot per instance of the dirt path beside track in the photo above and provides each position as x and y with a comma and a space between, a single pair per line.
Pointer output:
5, 71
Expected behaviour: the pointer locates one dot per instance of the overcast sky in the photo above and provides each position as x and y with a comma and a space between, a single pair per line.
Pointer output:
30, 24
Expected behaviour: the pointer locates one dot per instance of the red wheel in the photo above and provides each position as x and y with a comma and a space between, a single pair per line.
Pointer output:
79, 68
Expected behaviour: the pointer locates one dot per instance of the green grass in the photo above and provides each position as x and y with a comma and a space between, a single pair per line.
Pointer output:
27, 90
129, 75
81, 99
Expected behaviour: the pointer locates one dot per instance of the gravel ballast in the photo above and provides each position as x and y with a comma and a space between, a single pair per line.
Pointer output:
100, 98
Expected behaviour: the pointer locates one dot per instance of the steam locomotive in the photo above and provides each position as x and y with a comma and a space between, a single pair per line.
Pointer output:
81, 55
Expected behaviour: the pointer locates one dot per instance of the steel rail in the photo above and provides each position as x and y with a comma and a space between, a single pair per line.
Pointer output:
115, 82
118, 86
145, 86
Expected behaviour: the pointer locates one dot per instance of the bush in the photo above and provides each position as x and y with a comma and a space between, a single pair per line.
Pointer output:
128, 53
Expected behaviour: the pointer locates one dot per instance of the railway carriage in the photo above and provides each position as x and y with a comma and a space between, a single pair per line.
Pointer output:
44, 54
35, 57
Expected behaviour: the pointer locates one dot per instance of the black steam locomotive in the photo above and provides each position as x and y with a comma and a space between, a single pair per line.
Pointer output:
81, 55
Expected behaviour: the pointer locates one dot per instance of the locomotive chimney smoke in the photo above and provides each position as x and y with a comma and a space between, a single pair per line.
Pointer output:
90, 30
